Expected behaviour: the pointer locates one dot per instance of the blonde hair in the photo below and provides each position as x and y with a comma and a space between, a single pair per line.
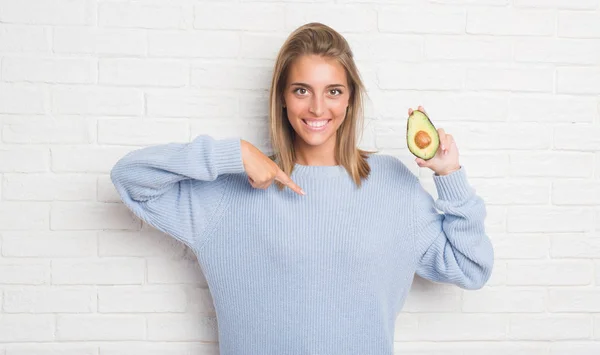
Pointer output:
318, 39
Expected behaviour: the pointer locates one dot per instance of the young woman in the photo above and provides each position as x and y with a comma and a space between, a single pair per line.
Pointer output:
311, 250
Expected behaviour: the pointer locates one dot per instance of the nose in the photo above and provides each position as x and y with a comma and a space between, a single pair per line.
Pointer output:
317, 106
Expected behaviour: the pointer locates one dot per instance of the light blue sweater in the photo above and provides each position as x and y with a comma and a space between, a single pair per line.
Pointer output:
325, 273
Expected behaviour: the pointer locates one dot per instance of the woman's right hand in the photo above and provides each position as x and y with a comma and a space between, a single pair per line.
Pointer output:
262, 171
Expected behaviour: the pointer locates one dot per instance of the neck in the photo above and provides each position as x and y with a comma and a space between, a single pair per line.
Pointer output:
321, 155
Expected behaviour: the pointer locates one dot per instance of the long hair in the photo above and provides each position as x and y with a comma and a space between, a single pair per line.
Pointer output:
318, 39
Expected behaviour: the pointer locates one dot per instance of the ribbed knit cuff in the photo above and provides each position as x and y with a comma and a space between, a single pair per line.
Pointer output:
228, 156
453, 186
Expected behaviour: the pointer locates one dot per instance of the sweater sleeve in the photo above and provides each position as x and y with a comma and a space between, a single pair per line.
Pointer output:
177, 187
452, 246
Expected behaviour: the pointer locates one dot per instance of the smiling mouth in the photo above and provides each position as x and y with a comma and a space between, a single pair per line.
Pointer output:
316, 125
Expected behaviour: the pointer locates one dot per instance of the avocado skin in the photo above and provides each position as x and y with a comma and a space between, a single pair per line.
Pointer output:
419, 121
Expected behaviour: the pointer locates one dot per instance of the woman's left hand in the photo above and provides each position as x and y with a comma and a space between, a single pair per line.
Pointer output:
445, 160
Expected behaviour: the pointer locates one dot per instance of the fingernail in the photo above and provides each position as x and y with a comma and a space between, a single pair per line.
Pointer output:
302, 192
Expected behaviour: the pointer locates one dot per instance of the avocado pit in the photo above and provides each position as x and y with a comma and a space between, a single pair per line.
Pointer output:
422, 139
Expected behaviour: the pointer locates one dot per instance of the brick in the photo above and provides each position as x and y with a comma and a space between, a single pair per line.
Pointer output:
19, 159
79, 159
135, 299
511, 22
254, 131
574, 299
393, 105
24, 39
552, 108
508, 136
97, 101
168, 271
432, 19
48, 299
578, 80
260, 45
147, 243
390, 134
498, 277
582, 138
143, 72
468, 49
46, 129
558, 4
230, 76
22, 99
549, 327
250, 17
52, 349
385, 46
48, 12
504, 300
420, 77
47, 187
423, 297
551, 164
472, 348
24, 215
559, 51
100, 327
462, 107
139, 15
198, 44
529, 219
472, 2
103, 271
576, 192
486, 165
182, 327
520, 246
191, 104
142, 131
533, 79
199, 300
251, 105
157, 348
575, 245
553, 273
579, 24
579, 348
85, 216
346, 18
49, 70
508, 191
457, 327
24, 271
99, 41
26, 327
106, 190
49, 244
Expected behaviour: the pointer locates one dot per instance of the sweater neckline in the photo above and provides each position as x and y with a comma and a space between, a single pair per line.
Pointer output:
319, 170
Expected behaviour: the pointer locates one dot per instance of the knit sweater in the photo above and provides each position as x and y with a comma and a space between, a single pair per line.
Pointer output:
321, 274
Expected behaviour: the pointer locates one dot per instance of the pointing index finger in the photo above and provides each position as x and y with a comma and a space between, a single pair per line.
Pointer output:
283, 178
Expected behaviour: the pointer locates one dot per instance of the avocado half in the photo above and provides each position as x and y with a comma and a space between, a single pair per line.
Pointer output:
421, 135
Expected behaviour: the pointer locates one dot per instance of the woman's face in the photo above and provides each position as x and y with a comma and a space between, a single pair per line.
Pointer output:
316, 97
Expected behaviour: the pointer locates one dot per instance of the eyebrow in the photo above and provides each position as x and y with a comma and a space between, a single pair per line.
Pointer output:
310, 87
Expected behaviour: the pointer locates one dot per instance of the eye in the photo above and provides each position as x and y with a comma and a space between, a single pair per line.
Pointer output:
338, 90
296, 90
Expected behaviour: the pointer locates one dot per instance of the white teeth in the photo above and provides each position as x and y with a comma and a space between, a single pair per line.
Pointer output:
316, 123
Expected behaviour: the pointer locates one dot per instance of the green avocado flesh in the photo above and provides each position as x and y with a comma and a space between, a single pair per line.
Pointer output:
421, 136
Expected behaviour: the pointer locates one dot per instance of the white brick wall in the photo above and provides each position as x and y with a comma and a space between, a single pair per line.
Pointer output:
83, 82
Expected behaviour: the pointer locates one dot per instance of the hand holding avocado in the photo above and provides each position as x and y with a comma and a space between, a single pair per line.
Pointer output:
433, 148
